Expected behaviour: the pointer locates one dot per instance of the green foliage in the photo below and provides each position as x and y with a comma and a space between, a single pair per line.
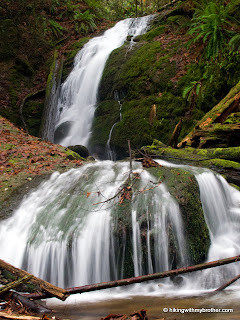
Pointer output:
212, 25
84, 22
234, 43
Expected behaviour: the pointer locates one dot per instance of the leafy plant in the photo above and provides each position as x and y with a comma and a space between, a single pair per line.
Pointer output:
234, 43
212, 25
84, 22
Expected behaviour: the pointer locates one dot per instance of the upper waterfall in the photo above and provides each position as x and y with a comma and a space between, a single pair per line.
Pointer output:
78, 96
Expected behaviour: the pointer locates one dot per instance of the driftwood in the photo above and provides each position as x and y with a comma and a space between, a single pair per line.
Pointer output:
47, 287
14, 284
125, 282
225, 285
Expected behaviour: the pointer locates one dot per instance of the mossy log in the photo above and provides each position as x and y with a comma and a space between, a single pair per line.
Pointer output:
211, 130
14, 284
44, 285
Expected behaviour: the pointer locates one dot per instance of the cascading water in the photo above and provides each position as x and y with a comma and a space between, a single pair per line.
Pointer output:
221, 206
64, 226
78, 95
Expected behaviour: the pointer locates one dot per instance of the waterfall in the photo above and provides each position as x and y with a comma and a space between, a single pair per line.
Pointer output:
221, 205
78, 97
66, 233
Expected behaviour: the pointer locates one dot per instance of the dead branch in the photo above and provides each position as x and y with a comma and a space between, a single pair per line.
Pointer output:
29, 304
225, 285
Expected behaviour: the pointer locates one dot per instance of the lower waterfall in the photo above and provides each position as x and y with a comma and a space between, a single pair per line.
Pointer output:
69, 233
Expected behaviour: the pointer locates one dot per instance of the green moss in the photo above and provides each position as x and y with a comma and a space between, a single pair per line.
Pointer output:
221, 163
150, 35
233, 118
106, 114
232, 154
70, 55
71, 155
51, 74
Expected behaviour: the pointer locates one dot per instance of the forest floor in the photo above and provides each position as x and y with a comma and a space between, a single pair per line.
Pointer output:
23, 157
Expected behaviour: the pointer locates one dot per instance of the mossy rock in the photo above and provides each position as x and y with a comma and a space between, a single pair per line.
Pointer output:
71, 54
183, 187
82, 151
71, 155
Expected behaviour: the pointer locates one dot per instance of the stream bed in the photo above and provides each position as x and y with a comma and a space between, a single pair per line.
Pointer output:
206, 305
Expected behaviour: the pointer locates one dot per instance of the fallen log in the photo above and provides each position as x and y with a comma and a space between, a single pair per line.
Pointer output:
154, 276
225, 285
14, 284
49, 288
29, 304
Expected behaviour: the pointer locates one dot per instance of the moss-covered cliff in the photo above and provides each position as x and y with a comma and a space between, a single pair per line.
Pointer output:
150, 75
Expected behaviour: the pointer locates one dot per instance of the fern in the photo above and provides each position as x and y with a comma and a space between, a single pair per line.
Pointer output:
234, 43
56, 28
84, 22
212, 26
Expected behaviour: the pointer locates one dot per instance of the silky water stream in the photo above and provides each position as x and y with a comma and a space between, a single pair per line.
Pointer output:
67, 233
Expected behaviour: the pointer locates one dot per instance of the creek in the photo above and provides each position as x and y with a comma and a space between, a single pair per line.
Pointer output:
68, 232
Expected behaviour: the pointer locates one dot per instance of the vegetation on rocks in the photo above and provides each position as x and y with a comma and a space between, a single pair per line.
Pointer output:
168, 71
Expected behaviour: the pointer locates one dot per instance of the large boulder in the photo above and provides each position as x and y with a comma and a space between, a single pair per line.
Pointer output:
81, 150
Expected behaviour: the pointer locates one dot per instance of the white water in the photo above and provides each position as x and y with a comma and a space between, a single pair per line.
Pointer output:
62, 231
78, 96
63, 234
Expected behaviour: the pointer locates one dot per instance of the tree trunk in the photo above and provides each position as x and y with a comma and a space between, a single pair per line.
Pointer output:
125, 282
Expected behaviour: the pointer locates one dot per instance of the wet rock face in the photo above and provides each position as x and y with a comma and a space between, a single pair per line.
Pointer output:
62, 131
